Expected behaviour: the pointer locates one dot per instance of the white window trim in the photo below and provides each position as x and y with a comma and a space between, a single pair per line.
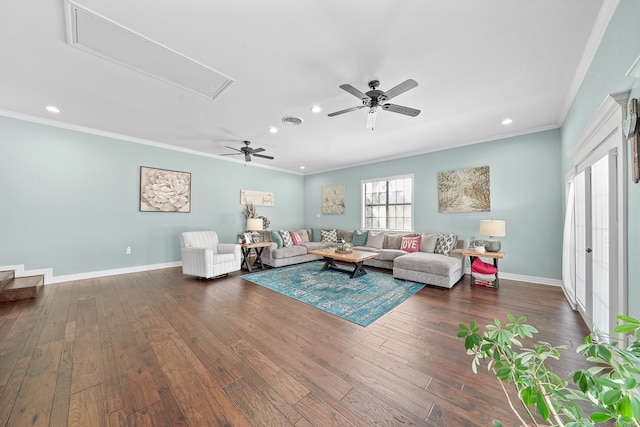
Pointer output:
387, 178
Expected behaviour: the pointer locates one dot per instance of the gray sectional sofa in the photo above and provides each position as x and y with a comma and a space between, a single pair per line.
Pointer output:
424, 266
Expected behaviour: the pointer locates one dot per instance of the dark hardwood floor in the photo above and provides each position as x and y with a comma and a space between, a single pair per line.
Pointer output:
161, 349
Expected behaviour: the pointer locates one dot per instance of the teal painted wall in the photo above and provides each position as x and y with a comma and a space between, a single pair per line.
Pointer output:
618, 50
524, 174
70, 200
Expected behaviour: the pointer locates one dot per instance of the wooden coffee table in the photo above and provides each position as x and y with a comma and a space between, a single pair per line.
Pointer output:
354, 257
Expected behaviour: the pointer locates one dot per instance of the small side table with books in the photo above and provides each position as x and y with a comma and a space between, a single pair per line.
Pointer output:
472, 254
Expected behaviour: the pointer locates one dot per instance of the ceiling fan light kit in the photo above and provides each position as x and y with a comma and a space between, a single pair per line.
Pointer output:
375, 98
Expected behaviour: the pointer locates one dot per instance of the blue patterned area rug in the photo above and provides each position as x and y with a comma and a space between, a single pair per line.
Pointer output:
361, 300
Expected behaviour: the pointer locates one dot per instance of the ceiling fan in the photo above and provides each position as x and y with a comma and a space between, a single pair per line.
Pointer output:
248, 152
375, 98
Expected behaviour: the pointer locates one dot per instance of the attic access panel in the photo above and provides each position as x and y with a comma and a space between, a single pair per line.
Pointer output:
96, 34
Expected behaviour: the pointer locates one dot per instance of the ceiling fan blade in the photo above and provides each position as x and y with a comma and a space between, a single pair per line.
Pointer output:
401, 88
355, 92
346, 111
401, 109
258, 150
264, 157
230, 154
247, 157
235, 149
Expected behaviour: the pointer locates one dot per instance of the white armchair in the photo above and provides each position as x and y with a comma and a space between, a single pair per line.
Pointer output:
203, 256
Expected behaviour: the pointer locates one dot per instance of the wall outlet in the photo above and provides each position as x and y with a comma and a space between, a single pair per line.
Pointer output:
128, 250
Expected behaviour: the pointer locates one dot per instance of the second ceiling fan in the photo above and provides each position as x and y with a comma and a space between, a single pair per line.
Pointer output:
375, 99
248, 152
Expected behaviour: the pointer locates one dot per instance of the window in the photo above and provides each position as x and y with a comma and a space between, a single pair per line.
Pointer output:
387, 203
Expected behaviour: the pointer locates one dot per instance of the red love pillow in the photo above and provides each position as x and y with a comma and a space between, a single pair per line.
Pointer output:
410, 244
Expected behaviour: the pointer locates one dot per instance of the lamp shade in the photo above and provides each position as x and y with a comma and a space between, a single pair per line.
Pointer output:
254, 224
492, 228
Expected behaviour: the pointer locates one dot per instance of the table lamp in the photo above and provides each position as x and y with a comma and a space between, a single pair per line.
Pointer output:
492, 228
254, 224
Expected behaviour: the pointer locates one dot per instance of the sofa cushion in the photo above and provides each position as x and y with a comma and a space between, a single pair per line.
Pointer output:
286, 238
428, 263
410, 244
295, 238
360, 237
445, 243
375, 240
393, 241
288, 251
329, 236
389, 254
312, 246
428, 242
276, 238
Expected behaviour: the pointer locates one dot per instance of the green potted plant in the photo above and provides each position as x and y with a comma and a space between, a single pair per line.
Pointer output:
610, 385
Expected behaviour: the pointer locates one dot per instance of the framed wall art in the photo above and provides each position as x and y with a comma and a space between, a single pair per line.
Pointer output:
464, 190
256, 198
163, 190
333, 199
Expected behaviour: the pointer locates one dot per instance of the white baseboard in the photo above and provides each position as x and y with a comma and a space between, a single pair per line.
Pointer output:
49, 278
530, 279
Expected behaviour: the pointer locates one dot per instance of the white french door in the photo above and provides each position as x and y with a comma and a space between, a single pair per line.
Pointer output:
594, 256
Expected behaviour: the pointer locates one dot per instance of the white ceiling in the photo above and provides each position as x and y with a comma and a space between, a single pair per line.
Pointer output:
476, 63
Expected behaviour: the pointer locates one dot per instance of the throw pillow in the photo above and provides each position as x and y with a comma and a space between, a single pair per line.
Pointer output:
375, 240
276, 238
394, 241
428, 243
410, 244
329, 236
304, 236
360, 237
445, 243
286, 238
315, 235
295, 238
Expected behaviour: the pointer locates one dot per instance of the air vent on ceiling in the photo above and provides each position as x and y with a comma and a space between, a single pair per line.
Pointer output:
291, 121
96, 34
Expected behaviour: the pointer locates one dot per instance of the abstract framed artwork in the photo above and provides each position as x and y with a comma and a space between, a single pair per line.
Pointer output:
163, 190
464, 190
333, 199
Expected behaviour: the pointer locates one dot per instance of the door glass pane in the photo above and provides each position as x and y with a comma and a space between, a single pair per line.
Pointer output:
581, 247
600, 242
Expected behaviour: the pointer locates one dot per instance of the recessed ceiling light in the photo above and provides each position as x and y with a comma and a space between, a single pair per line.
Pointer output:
291, 121
52, 109
273, 129
301, 167
507, 121
316, 109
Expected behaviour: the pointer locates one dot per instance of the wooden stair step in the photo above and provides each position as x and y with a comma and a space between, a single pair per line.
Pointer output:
19, 288
6, 277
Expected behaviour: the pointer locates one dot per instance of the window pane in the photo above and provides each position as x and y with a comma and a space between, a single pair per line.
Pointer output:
392, 197
392, 223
